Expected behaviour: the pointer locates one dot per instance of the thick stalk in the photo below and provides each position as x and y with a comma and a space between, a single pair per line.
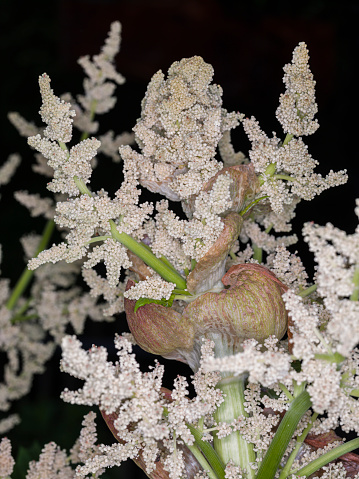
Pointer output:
232, 447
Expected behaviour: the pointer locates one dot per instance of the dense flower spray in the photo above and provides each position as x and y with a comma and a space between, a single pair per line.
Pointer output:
273, 355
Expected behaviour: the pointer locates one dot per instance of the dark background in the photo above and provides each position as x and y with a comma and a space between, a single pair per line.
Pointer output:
246, 42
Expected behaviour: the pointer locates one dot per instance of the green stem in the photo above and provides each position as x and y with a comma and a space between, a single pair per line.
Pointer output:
327, 457
257, 253
287, 139
95, 239
164, 269
19, 319
284, 434
298, 388
306, 292
286, 391
27, 274
234, 447
268, 229
85, 134
166, 261
79, 182
202, 461
141, 250
62, 146
254, 202
269, 172
210, 454
286, 469
284, 177
148, 257
214, 460
355, 294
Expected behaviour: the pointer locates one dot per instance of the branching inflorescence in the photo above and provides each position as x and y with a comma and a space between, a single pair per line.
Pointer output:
216, 288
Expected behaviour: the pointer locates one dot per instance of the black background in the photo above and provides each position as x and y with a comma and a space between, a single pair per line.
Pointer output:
246, 42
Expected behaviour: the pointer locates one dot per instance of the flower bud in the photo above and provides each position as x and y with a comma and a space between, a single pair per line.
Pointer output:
250, 306
158, 330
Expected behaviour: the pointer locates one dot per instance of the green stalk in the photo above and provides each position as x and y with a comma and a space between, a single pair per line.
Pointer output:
27, 275
210, 454
306, 292
355, 294
148, 257
234, 447
254, 202
286, 391
287, 139
214, 461
286, 469
165, 270
284, 177
202, 461
284, 434
326, 458
95, 239
269, 171
257, 253
79, 182
85, 134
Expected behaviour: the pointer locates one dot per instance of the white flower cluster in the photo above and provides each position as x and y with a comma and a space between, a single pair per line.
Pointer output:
113, 296
8, 169
268, 242
99, 85
292, 165
6, 460
287, 168
55, 113
98, 91
29, 333
329, 386
136, 402
66, 164
337, 256
182, 121
297, 105
87, 216
25, 128
154, 287
35, 204
266, 368
182, 240
288, 268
